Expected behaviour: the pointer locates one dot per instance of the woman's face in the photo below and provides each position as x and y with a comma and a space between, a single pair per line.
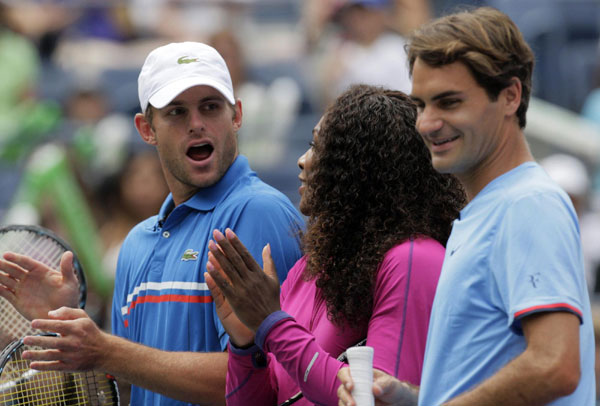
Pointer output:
305, 162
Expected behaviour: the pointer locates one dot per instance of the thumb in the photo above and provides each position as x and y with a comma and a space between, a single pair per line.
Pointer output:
66, 313
268, 264
66, 267
214, 290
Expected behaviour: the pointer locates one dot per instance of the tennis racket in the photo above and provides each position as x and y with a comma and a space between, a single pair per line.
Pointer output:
44, 246
20, 385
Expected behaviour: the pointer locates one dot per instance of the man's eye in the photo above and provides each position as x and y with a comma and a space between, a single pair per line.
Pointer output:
446, 103
210, 106
175, 111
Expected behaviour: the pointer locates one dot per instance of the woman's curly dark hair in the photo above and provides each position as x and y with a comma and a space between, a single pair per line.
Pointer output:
372, 186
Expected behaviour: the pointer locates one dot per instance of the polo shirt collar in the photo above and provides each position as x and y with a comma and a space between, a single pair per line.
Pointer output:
207, 198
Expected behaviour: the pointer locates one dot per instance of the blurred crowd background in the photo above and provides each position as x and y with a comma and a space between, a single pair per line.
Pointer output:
70, 158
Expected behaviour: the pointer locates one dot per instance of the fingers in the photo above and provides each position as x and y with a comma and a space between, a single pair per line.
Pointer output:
66, 267
269, 264
58, 321
26, 262
214, 290
232, 253
68, 313
242, 251
48, 366
10, 275
221, 261
54, 343
44, 360
345, 389
345, 378
217, 277
7, 281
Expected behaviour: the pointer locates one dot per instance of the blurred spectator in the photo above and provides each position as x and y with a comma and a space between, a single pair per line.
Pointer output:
176, 20
41, 22
269, 109
410, 14
571, 174
24, 119
365, 50
129, 196
49, 23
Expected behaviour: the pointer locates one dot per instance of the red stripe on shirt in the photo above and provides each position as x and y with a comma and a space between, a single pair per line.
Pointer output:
549, 307
169, 298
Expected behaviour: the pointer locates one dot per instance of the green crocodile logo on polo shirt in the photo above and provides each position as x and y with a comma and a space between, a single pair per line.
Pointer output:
185, 59
189, 255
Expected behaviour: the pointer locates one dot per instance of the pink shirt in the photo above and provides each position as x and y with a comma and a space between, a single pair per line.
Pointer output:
302, 350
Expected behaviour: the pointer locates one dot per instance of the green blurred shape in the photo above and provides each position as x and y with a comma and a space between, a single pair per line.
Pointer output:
49, 176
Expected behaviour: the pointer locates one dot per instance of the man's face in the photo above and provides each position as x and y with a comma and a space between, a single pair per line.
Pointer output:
459, 123
195, 136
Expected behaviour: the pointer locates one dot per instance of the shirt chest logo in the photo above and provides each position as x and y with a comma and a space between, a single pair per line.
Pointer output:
190, 255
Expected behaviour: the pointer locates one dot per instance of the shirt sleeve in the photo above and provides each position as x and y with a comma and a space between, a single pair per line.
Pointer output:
537, 261
307, 363
250, 377
249, 381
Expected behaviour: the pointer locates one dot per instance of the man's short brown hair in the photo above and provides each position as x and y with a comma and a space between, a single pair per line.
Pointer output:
487, 41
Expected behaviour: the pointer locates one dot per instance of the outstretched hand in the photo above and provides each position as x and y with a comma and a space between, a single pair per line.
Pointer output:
34, 288
79, 346
250, 292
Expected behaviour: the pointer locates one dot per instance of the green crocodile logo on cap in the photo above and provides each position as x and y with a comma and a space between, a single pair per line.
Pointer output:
185, 59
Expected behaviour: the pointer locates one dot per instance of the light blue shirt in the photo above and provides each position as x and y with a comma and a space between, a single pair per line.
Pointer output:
514, 251
161, 299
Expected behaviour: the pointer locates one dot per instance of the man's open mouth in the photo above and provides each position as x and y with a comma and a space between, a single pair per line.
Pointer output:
200, 152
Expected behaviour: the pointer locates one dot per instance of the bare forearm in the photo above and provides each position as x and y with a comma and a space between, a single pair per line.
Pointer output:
548, 368
522, 382
187, 376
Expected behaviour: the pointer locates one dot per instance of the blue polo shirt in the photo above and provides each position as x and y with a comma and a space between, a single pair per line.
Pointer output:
514, 251
160, 296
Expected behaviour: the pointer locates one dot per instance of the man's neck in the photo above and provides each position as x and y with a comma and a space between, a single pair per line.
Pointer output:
511, 152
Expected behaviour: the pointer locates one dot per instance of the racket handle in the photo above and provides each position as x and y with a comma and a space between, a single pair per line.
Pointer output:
361, 369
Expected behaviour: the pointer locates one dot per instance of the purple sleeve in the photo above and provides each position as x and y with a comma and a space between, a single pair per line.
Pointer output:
249, 378
404, 290
311, 367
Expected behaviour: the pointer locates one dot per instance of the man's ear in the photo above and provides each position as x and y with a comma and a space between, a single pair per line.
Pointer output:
512, 96
145, 129
237, 118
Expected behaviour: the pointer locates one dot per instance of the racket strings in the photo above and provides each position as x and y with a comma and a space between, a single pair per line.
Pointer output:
23, 386
43, 249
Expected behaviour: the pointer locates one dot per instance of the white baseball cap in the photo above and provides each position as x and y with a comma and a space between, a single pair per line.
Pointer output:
176, 67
